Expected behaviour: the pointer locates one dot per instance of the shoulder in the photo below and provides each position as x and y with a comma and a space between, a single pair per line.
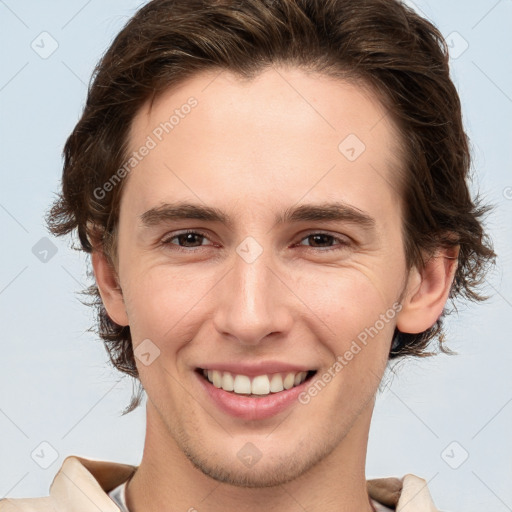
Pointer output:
77, 482
415, 490
397, 493
44, 504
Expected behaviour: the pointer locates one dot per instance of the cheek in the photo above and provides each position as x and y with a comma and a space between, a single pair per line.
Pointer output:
360, 311
361, 316
165, 308
350, 300
162, 303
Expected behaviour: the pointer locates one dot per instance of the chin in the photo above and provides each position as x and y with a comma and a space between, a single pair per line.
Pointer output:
271, 470
269, 475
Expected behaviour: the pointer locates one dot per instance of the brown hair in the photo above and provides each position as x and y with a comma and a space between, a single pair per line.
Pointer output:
382, 43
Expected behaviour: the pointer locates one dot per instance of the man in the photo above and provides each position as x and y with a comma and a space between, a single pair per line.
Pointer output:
274, 197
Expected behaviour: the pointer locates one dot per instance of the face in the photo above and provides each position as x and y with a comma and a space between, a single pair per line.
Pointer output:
260, 243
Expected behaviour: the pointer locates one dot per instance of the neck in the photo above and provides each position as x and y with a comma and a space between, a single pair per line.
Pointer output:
166, 476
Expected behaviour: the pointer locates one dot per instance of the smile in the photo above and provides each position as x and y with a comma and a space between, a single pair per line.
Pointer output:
259, 385
253, 391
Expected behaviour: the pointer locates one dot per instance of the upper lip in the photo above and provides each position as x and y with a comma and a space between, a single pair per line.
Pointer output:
255, 369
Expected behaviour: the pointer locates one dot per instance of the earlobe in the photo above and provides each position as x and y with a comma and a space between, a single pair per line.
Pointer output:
108, 285
427, 291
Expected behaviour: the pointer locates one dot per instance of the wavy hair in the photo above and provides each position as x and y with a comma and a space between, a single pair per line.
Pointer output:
384, 44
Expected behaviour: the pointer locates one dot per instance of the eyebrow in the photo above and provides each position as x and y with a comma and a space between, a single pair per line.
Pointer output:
334, 211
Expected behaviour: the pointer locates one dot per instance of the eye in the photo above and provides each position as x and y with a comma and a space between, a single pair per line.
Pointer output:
190, 241
323, 241
187, 239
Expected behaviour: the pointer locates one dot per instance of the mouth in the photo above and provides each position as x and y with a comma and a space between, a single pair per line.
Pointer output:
258, 386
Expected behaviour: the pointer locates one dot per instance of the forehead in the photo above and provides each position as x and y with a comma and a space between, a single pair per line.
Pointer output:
279, 136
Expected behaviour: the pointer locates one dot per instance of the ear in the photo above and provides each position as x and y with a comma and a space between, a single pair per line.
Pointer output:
108, 285
427, 291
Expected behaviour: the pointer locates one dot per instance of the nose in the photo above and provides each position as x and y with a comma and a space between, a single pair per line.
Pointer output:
252, 302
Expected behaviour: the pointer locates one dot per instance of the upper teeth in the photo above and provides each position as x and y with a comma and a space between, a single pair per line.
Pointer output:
260, 385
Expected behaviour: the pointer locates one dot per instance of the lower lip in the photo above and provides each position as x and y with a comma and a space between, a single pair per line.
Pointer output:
252, 408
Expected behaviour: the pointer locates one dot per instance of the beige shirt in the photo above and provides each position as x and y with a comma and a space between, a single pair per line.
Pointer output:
82, 485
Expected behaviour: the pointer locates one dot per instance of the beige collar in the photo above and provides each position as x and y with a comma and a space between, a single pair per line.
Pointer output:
82, 484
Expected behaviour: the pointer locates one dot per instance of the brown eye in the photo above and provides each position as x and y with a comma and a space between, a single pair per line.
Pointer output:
325, 241
188, 239
320, 239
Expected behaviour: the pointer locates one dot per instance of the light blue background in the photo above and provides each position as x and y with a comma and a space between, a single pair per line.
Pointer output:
55, 384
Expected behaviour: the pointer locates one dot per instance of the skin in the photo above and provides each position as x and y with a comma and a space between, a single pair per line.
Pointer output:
253, 148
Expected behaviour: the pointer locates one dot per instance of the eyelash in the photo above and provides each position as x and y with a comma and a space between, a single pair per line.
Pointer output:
343, 241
